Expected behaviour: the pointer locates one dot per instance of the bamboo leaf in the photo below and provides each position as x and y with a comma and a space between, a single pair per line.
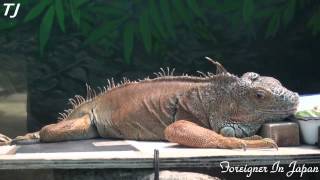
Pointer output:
227, 6
247, 11
75, 12
128, 38
273, 26
78, 3
106, 10
7, 24
37, 10
45, 28
193, 4
155, 16
314, 22
289, 12
181, 10
144, 25
166, 11
60, 14
105, 29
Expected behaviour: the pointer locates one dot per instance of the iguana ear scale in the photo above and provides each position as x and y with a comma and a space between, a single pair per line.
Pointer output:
220, 68
252, 76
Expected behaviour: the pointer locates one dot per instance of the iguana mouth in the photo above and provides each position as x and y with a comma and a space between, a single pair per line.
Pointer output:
280, 111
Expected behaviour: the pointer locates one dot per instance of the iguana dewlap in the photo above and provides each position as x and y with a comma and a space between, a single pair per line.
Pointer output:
209, 111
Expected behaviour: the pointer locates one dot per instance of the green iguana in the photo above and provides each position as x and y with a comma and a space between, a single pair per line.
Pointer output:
214, 110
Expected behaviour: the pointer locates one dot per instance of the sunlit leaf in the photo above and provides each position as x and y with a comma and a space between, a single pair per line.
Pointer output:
45, 28
37, 10
273, 26
60, 14
289, 12
166, 11
144, 25
247, 12
128, 39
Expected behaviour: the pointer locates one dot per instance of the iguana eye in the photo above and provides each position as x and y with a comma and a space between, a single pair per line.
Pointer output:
260, 95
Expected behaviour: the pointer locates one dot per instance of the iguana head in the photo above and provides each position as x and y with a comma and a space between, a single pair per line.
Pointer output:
251, 100
267, 98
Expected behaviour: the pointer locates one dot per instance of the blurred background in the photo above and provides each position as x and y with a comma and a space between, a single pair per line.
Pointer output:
53, 47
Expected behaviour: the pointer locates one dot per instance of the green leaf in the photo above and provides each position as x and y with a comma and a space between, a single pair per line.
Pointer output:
314, 22
60, 14
86, 28
7, 24
289, 12
265, 13
181, 10
78, 3
193, 4
227, 6
75, 12
308, 113
166, 11
45, 28
155, 16
104, 30
144, 25
128, 38
247, 11
37, 10
273, 26
106, 10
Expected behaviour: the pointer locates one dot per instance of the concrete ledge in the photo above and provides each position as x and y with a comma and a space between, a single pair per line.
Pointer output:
141, 156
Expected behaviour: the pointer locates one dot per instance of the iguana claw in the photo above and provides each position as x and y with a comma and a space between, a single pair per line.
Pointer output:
29, 138
4, 140
271, 142
244, 146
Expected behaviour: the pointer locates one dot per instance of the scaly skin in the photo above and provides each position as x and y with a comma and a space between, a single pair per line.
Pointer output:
210, 111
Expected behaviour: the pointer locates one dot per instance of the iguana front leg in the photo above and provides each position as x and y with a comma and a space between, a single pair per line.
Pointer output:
190, 134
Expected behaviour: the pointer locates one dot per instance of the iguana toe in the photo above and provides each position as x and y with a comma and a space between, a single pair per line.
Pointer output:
243, 146
29, 138
4, 140
254, 137
271, 143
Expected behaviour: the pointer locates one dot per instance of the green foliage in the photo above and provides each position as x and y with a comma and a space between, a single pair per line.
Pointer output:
273, 25
126, 23
248, 10
60, 14
128, 37
289, 12
37, 10
144, 24
45, 27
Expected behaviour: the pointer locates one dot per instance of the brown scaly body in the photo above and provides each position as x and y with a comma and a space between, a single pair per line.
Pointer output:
180, 109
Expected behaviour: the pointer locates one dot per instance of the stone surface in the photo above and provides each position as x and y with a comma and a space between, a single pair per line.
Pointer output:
284, 133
